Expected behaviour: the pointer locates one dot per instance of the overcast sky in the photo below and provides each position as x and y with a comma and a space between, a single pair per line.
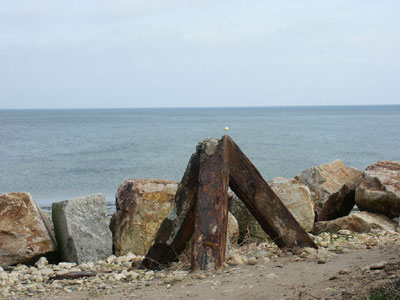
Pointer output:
168, 53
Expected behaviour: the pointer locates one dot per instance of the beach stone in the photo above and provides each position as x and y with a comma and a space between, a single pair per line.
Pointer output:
81, 227
235, 259
332, 187
24, 233
41, 263
378, 266
379, 190
357, 222
297, 198
142, 205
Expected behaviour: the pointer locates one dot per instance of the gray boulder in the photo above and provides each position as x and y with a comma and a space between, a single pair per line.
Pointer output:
379, 190
81, 227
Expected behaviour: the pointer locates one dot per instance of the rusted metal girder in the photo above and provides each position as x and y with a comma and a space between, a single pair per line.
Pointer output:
211, 208
201, 207
266, 207
178, 227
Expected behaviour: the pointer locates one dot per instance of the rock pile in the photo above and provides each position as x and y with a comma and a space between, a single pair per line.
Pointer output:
43, 280
325, 193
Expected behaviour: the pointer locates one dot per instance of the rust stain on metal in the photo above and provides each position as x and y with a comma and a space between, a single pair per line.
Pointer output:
211, 209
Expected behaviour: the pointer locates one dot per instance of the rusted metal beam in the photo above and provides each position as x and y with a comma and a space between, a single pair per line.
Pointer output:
178, 227
211, 208
210, 170
266, 207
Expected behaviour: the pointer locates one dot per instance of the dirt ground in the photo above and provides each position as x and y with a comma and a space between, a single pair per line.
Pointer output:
344, 276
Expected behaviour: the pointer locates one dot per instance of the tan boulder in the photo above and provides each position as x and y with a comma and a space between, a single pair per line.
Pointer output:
24, 233
379, 190
357, 222
142, 204
297, 199
332, 187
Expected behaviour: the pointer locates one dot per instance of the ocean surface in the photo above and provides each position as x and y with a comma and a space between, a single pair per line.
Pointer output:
61, 154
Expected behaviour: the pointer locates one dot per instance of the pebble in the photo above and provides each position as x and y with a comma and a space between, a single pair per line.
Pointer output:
261, 253
271, 276
41, 263
235, 260
252, 261
378, 266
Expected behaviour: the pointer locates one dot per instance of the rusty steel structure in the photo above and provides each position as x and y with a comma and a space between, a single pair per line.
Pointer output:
201, 208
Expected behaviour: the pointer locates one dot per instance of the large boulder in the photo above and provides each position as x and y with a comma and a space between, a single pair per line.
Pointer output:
297, 198
379, 190
332, 187
357, 222
294, 195
81, 227
142, 204
24, 234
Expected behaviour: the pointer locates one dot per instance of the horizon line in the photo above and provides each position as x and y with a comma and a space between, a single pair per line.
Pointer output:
197, 107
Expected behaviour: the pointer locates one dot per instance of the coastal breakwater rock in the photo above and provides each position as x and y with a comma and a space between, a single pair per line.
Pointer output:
379, 190
142, 204
81, 227
294, 195
24, 233
332, 187
297, 199
357, 222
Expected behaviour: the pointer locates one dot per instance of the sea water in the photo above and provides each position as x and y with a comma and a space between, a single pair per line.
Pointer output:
61, 154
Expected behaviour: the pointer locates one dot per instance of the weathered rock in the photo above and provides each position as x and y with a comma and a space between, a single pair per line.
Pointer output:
81, 227
297, 198
358, 222
142, 204
332, 187
379, 190
24, 234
